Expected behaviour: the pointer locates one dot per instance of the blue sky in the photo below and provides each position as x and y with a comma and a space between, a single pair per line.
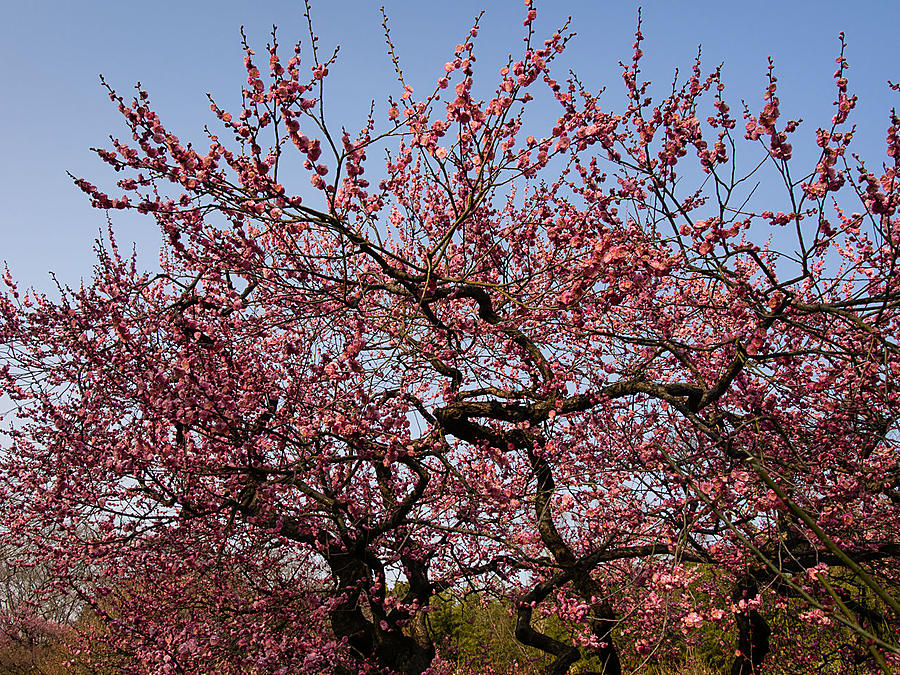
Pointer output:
54, 108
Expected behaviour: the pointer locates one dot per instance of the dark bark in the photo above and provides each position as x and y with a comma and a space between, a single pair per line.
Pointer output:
575, 571
753, 631
389, 647
565, 655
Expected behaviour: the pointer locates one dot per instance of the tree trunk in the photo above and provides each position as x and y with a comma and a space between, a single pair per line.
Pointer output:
389, 647
753, 631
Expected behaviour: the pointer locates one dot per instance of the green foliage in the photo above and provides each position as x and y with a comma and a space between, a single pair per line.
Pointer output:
476, 634
475, 630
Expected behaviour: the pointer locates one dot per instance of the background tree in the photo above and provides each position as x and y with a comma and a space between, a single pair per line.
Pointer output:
583, 370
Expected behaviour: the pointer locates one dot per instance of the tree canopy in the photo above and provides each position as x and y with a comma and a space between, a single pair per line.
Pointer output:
587, 372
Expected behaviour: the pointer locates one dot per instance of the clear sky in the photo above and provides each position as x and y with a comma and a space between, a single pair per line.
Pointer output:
53, 108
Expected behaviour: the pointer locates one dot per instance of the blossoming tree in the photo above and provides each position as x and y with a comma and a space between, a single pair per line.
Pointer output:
584, 370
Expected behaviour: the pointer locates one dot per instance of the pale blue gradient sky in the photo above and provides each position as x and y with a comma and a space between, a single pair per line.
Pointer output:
53, 108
